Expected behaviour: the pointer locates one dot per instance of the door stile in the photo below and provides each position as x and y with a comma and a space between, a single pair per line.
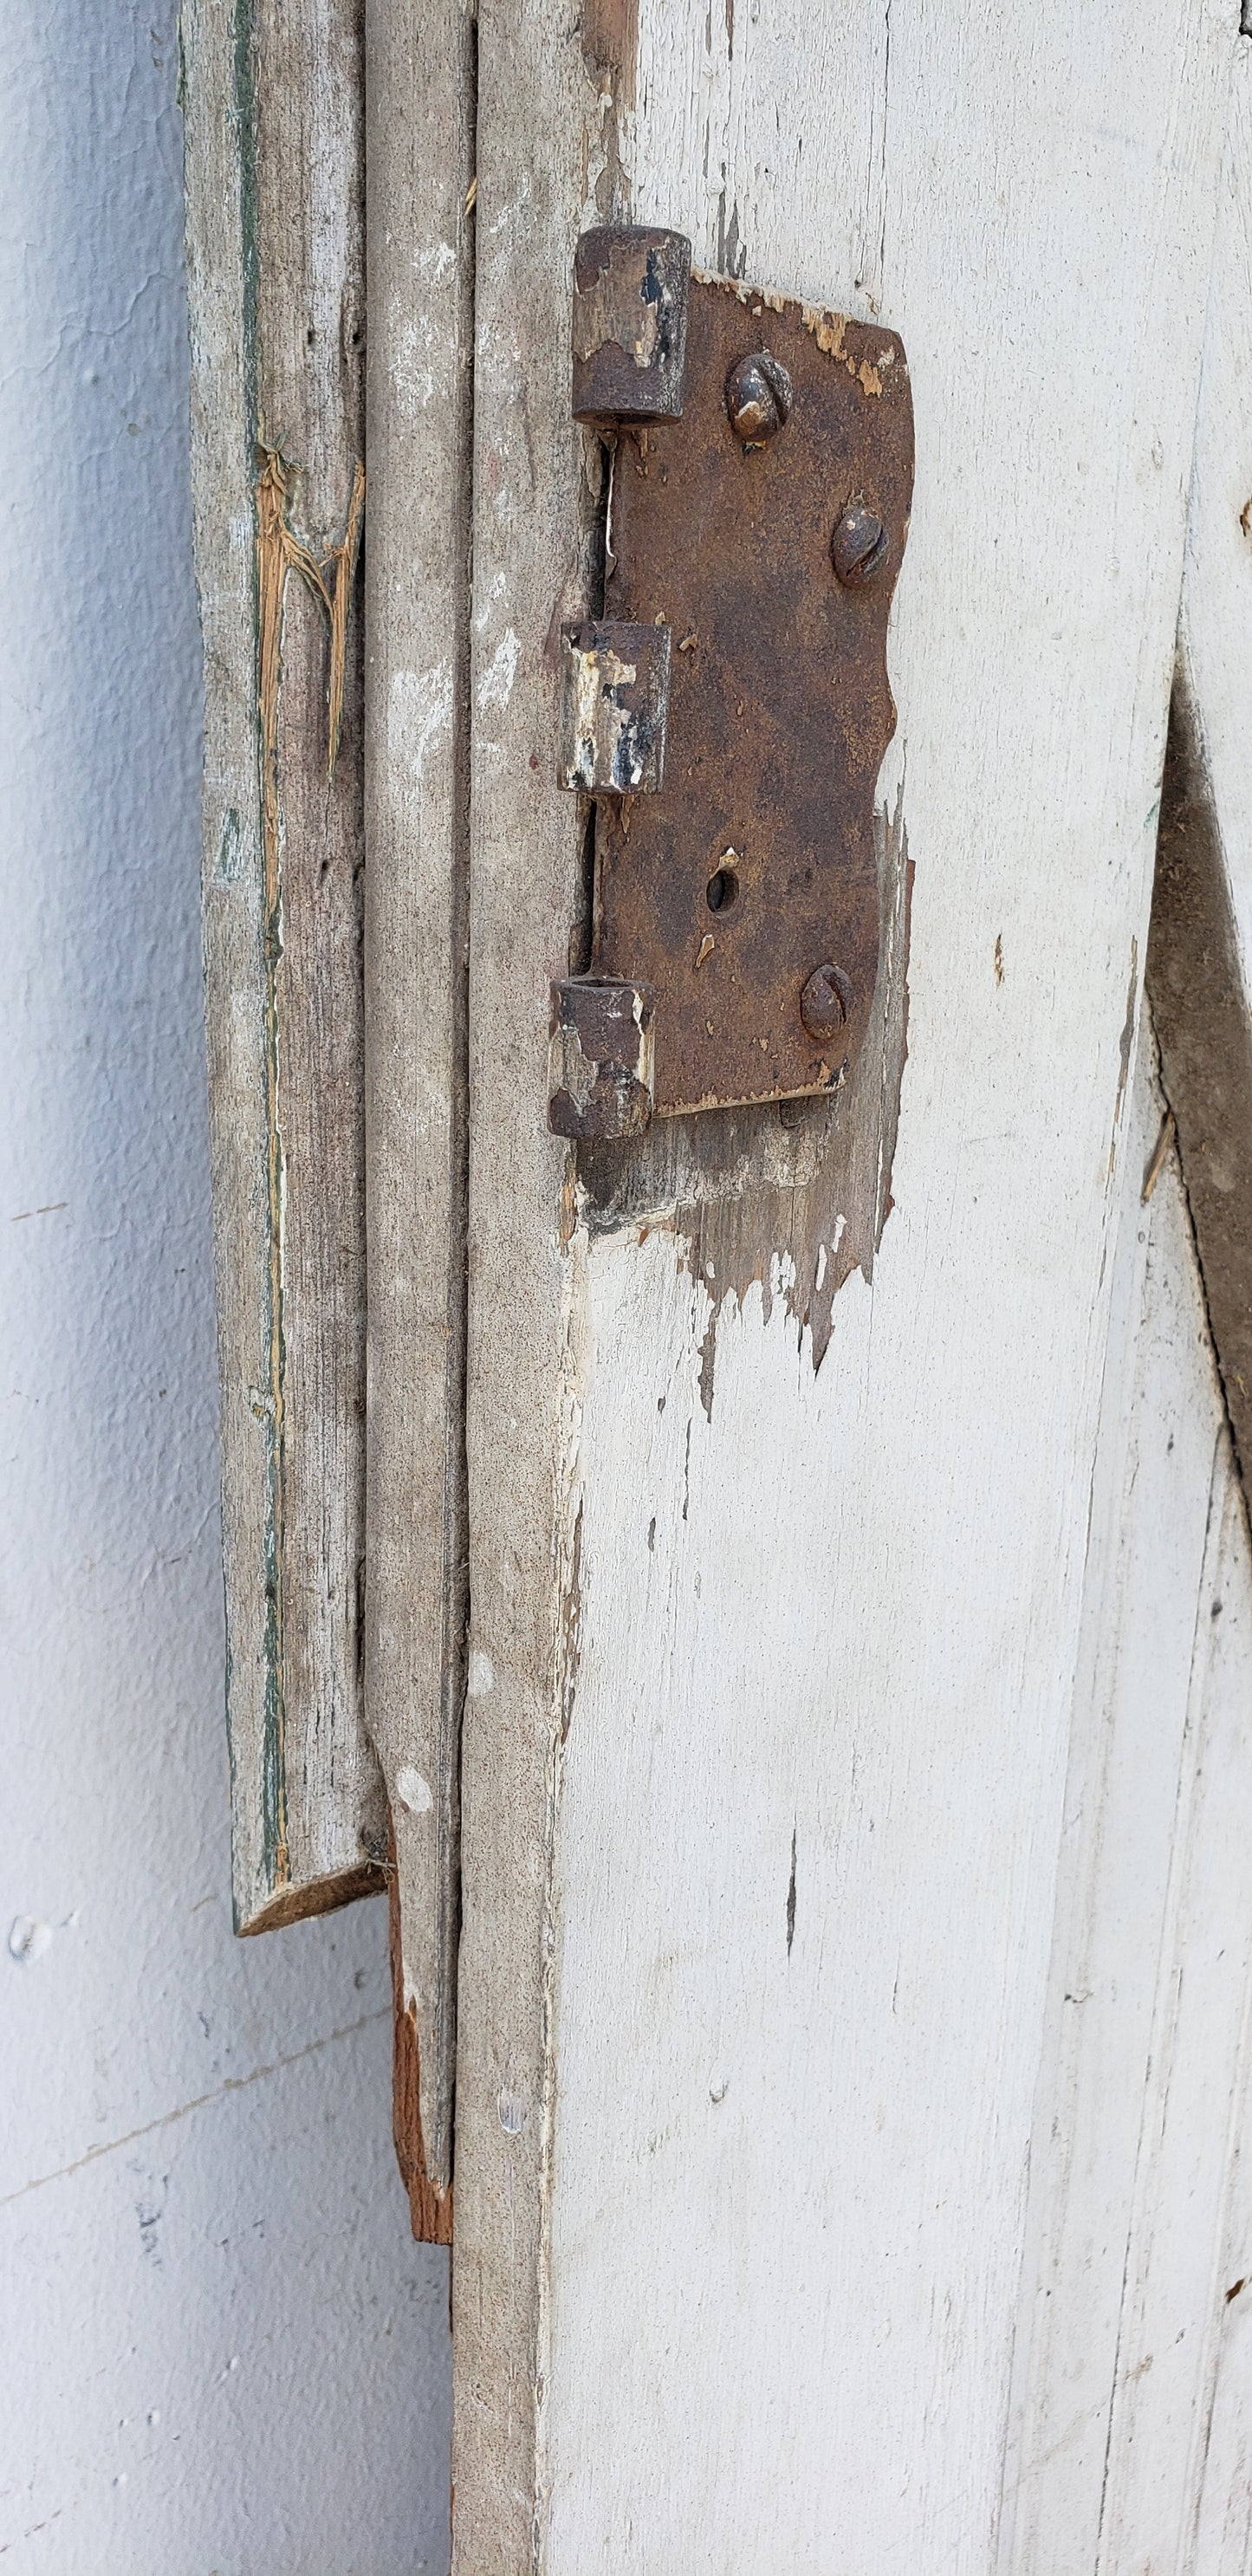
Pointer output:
545, 142
420, 117
275, 256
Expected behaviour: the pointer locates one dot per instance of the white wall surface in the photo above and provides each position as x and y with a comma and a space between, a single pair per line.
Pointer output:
219, 2350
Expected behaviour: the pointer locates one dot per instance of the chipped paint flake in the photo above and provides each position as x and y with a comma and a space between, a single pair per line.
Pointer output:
496, 685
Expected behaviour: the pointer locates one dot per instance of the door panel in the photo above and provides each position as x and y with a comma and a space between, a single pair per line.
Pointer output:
772, 1664
1131, 2377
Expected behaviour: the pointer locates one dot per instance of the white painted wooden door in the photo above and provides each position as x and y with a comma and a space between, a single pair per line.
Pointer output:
774, 1666
807, 1620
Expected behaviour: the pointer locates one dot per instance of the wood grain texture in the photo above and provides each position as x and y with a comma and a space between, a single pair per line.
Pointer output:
1200, 959
536, 485
275, 264
772, 1669
1129, 2350
420, 124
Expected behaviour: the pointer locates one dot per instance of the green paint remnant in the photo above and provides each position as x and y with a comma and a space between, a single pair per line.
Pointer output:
273, 1819
229, 860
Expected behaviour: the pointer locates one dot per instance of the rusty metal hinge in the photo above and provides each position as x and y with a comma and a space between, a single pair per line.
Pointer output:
730, 710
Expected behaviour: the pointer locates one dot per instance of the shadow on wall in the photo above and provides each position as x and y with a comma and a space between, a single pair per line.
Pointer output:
223, 2350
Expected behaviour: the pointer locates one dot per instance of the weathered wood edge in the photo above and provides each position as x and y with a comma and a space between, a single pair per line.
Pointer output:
1200, 1009
420, 112
308, 1823
1199, 966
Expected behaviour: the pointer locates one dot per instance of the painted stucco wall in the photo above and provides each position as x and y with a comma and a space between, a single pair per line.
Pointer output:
219, 2349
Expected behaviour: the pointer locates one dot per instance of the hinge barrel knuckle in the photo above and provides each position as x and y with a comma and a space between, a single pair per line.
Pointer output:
614, 705
629, 336
600, 1060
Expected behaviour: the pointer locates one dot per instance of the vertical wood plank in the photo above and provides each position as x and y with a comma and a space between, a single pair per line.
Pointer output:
273, 105
538, 111
420, 134
771, 1670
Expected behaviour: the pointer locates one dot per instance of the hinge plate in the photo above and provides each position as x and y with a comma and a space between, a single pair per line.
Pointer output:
740, 892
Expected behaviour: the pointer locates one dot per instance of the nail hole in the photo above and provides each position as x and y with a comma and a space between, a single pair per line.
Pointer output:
721, 890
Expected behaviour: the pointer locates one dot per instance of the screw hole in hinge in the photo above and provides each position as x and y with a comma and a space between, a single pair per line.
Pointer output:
722, 890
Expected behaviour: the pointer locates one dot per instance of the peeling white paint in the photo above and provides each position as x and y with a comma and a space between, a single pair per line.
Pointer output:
496, 685
435, 261
493, 591
414, 1791
419, 714
412, 374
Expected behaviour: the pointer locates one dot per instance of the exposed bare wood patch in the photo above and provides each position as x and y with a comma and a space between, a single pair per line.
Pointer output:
1200, 1013
610, 40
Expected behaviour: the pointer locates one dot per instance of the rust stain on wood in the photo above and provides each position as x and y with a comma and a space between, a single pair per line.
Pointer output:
430, 2211
791, 1196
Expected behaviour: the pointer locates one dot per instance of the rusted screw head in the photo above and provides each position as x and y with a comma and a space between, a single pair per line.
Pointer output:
826, 1001
758, 398
859, 546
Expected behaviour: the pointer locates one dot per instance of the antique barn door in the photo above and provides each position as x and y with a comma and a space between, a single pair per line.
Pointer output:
752, 1496
781, 1429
